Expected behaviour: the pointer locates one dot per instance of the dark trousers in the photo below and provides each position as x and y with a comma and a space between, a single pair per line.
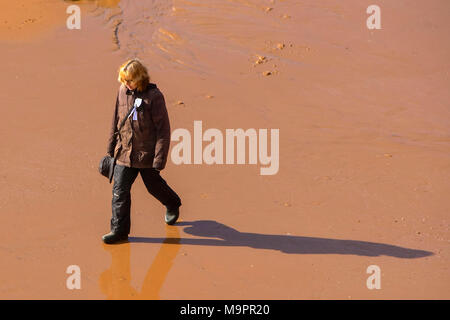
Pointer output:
121, 197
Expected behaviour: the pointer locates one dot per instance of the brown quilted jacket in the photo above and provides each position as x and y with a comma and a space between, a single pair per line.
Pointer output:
144, 142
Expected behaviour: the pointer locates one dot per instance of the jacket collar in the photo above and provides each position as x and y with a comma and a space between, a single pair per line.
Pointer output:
149, 86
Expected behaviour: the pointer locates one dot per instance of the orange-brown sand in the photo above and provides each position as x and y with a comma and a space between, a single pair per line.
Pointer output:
364, 175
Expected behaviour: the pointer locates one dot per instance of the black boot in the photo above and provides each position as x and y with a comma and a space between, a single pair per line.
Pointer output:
112, 238
172, 215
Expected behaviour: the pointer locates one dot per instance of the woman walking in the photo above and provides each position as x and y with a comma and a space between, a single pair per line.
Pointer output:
140, 146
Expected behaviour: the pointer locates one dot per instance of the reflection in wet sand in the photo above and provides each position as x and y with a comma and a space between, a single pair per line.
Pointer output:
108, 3
99, 3
115, 282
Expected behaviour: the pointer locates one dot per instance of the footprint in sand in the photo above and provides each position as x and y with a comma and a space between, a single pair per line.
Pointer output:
283, 203
269, 73
31, 20
260, 60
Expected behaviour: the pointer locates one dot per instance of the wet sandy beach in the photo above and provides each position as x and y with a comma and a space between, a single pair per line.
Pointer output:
364, 149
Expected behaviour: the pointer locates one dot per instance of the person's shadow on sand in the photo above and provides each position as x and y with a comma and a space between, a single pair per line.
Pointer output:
226, 236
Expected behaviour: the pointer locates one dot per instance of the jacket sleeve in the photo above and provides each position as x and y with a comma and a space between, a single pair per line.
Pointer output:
112, 139
161, 122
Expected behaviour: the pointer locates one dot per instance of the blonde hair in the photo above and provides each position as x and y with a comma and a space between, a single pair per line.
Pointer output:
135, 70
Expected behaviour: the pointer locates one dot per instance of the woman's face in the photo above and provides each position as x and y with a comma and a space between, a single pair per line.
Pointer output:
131, 84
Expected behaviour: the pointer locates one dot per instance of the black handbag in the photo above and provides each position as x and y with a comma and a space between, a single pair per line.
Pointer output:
107, 163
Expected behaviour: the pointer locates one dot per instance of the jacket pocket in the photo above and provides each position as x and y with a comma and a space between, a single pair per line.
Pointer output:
144, 157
